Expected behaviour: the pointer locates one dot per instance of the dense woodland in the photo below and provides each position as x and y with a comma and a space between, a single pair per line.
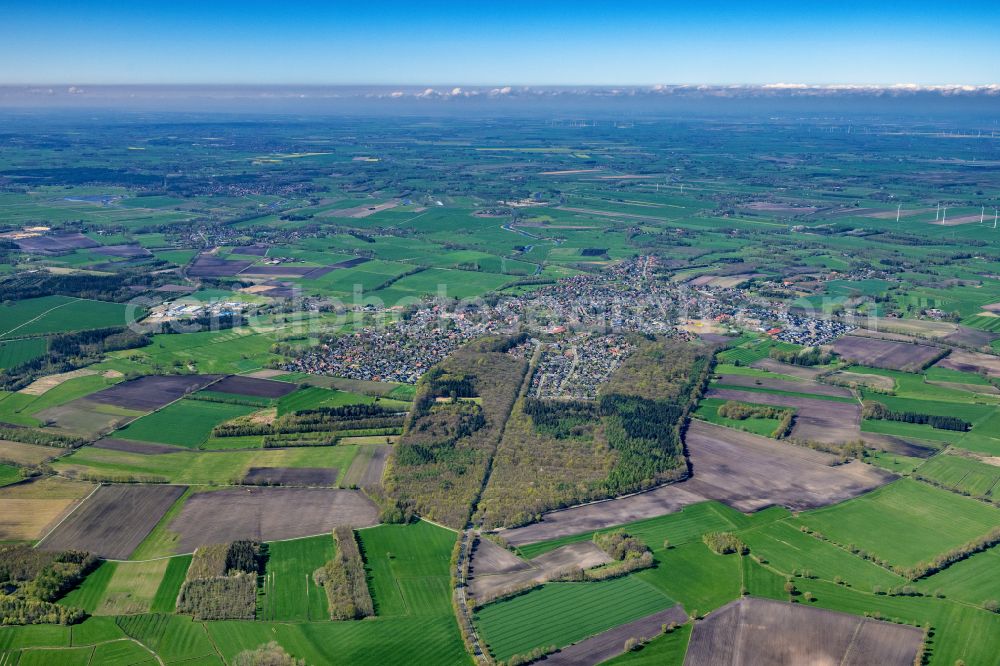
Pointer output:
221, 583
446, 450
580, 451
32, 580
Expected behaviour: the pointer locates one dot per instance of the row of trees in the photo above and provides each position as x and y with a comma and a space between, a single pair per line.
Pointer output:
34, 436
877, 410
323, 420
344, 579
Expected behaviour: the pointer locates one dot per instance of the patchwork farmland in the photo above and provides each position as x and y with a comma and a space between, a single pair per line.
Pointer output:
683, 391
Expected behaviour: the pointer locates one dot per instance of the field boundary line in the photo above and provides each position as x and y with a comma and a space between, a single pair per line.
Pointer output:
66, 517
61, 305
298, 538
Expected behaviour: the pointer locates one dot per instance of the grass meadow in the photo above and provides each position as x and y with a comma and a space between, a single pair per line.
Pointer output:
905, 522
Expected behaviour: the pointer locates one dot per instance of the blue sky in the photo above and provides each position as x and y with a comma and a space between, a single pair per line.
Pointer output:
499, 42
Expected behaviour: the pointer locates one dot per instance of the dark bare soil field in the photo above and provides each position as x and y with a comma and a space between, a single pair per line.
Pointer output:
280, 290
804, 386
818, 420
206, 265
885, 353
55, 243
545, 567
350, 263
610, 643
967, 361
251, 250
291, 476
128, 251
279, 270
268, 514
750, 631
135, 446
253, 387
746, 471
372, 476
815, 419
749, 472
715, 338
800, 371
151, 392
970, 337
489, 559
114, 520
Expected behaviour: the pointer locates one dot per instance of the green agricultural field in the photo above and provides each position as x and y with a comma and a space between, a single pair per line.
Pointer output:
693, 575
16, 352
402, 578
24, 409
938, 374
893, 462
165, 599
563, 613
788, 549
408, 563
199, 467
666, 650
708, 409
963, 475
688, 524
185, 423
313, 397
132, 588
434, 281
916, 386
973, 580
289, 593
227, 351
58, 314
989, 323
962, 632
9, 474
90, 593
905, 522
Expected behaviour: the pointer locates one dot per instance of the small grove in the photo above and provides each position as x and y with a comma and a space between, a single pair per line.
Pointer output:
877, 410
221, 583
344, 579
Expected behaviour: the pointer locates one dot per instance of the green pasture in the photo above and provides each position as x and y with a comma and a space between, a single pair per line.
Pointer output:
185, 423
289, 593
58, 314
563, 613
905, 522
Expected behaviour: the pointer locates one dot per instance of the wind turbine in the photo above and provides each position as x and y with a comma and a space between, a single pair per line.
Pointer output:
898, 209
937, 215
944, 217
982, 212
994, 218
